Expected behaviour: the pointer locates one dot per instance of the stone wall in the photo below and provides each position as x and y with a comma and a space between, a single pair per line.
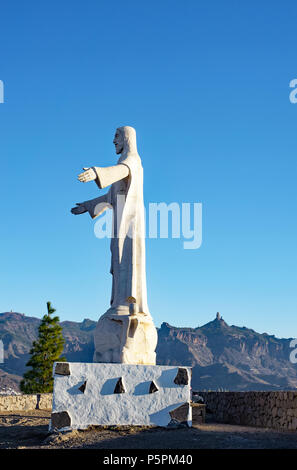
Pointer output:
198, 413
42, 401
276, 410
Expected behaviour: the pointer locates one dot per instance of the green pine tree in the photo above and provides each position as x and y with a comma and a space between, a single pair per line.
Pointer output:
45, 351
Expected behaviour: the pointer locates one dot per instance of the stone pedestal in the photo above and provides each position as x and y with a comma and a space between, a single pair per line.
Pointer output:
119, 394
126, 338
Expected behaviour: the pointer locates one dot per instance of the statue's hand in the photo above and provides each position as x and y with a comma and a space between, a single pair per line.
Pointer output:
89, 174
79, 209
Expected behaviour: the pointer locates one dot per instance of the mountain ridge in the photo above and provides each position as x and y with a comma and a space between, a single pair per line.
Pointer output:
222, 356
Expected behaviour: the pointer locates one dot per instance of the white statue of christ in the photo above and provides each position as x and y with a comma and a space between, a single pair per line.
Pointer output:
125, 333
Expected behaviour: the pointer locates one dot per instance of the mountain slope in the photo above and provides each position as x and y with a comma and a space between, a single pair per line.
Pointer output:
18, 331
222, 356
229, 357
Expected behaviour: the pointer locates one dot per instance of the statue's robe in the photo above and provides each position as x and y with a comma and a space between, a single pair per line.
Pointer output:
125, 197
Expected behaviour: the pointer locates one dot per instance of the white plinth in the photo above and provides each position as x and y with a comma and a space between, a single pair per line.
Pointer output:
119, 394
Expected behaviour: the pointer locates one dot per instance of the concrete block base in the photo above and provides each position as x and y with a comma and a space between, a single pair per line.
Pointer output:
119, 394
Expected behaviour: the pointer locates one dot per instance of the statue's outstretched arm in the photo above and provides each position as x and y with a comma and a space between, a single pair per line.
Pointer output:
94, 207
104, 176
108, 175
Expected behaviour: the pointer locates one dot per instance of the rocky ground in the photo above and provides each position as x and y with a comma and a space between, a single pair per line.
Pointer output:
29, 430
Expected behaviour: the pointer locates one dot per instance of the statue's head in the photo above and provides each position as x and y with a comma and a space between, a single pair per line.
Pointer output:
125, 140
118, 141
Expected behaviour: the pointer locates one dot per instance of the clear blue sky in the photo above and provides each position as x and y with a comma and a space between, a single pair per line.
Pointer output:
206, 85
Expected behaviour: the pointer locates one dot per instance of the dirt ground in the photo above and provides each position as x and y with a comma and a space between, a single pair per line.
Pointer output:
29, 430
